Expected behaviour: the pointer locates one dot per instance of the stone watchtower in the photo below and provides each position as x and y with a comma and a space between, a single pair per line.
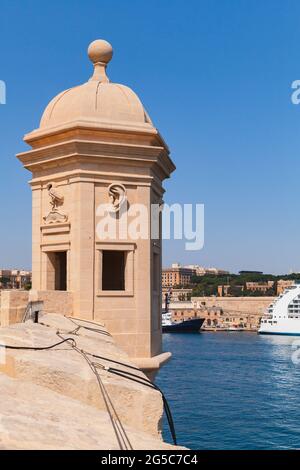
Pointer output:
96, 147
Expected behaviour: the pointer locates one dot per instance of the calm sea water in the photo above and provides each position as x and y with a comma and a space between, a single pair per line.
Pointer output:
232, 390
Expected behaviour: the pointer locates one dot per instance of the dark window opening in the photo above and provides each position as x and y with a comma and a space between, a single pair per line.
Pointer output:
58, 261
113, 270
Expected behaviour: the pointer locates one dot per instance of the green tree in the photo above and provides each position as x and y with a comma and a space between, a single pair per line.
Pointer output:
4, 281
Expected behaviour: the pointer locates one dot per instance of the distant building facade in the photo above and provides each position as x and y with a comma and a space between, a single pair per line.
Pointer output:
262, 287
216, 318
14, 279
228, 290
283, 284
222, 313
178, 295
179, 275
202, 271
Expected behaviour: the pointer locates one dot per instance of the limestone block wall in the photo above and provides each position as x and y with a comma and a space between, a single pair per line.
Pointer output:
53, 399
215, 317
60, 302
251, 305
64, 371
222, 312
12, 306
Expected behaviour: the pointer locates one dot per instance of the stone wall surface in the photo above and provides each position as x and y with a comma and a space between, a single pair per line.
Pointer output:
12, 306
222, 312
254, 305
54, 399
48, 422
55, 301
13, 303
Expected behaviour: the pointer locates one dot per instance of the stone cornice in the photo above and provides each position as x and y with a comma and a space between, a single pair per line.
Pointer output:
111, 130
87, 151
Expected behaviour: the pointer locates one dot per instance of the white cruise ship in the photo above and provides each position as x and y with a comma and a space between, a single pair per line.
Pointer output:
283, 315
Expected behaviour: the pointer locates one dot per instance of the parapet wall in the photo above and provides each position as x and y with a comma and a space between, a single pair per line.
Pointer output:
12, 306
55, 301
58, 399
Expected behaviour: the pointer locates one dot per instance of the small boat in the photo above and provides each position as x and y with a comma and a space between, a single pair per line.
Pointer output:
185, 326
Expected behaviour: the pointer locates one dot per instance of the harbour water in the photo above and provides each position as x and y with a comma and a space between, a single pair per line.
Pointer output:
233, 390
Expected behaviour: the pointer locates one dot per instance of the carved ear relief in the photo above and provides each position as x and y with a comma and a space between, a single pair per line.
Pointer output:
117, 196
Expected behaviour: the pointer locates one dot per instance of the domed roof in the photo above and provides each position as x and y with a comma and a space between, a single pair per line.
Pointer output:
98, 101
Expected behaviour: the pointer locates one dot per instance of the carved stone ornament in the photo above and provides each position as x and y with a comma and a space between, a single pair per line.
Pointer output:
117, 196
56, 201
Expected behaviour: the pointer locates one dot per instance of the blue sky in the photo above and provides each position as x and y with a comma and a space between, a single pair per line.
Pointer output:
215, 77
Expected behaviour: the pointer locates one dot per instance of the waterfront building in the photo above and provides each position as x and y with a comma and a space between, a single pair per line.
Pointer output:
265, 287
262, 287
14, 279
96, 145
215, 317
223, 290
221, 313
177, 295
283, 284
177, 276
231, 311
202, 271
228, 290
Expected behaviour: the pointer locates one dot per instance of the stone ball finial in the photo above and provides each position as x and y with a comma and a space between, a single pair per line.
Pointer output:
100, 51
